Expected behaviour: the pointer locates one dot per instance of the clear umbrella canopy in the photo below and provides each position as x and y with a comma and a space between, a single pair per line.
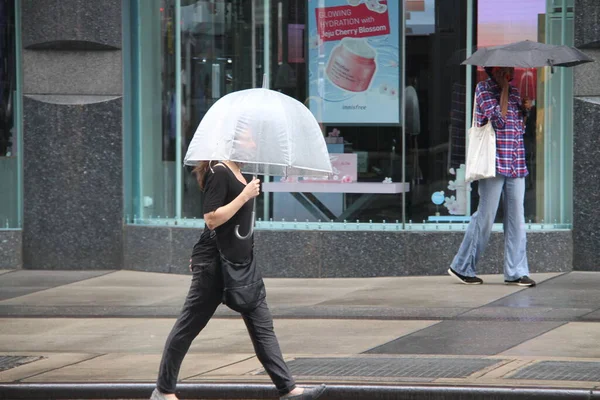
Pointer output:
265, 131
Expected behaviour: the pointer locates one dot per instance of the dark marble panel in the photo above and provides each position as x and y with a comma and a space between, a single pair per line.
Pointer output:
586, 77
11, 255
430, 253
550, 251
587, 23
586, 173
365, 254
73, 185
311, 254
72, 72
492, 261
182, 244
289, 254
147, 248
466, 338
58, 21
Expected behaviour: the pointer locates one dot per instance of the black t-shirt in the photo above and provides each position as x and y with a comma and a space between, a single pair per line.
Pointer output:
221, 188
205, 250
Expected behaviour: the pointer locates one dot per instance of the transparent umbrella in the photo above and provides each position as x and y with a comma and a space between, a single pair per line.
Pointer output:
266, 132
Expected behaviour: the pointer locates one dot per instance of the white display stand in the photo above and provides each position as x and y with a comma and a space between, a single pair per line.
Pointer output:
310, 195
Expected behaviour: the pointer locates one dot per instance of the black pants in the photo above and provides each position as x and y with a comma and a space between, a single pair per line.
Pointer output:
202, 300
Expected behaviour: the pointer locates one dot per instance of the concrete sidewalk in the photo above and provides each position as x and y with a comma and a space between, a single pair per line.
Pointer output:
99, 326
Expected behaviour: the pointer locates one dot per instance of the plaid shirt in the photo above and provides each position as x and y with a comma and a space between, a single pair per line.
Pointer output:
510, 150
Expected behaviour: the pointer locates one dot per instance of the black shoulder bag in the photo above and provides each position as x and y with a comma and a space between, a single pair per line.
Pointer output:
243, 286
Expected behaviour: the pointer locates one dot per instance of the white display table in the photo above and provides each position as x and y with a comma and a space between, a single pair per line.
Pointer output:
303, 192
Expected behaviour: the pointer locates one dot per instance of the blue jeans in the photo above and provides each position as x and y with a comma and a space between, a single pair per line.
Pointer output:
512, 190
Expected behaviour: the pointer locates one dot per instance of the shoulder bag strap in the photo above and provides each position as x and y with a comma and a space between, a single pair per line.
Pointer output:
474, 108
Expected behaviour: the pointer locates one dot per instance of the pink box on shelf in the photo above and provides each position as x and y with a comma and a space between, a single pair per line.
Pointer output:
344, 166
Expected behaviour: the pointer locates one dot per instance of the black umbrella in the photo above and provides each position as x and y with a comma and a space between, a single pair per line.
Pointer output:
527, 54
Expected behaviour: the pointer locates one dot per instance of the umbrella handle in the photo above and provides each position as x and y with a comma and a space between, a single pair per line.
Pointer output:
250, 232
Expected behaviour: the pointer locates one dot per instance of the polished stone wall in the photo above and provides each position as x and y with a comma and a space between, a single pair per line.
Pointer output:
586, 148
72, 134
305, 254
10, 249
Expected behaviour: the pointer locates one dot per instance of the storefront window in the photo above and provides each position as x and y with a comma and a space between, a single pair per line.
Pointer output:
343, 60
444, 90
189, 54
154, 122
384, 81
436, 41
221, 53
10, 167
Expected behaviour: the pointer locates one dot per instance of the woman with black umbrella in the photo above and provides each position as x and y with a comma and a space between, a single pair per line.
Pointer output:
500, 103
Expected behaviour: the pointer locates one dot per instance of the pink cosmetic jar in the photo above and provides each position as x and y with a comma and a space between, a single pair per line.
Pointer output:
352, 65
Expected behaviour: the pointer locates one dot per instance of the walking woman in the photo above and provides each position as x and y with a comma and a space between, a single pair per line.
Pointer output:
226, 204
498, 102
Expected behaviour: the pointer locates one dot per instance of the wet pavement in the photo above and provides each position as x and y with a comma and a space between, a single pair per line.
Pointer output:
110, 326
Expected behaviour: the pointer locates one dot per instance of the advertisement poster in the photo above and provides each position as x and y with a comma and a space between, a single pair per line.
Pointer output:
354, 61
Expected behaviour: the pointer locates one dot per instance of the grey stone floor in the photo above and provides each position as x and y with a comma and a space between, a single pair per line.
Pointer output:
111, 326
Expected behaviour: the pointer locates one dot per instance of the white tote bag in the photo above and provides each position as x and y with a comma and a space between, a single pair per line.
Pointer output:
481, 154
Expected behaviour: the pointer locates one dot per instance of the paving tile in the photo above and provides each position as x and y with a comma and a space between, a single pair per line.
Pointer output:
127, 279
9, 362
173, 308
365, 312
525, 314
70, 335
22, 282
109, 335
248, 367
466, 338
575, 290
340, 336
592, 316
92, 311
49, 362
312, 336
101, 297
575, 339
121, 288
427, 292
